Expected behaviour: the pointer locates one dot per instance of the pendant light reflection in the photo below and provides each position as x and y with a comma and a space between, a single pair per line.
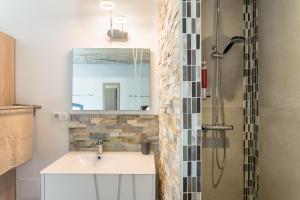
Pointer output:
107, 5
121, 19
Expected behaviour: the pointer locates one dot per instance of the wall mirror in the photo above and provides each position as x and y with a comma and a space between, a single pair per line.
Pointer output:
111, 79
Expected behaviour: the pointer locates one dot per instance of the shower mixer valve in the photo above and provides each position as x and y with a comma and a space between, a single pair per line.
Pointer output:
217, 55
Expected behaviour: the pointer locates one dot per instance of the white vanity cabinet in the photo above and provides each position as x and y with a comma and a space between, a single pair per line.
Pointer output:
98, 187
117, 176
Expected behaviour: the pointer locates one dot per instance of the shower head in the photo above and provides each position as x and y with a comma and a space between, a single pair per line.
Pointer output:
238, 39
234, 40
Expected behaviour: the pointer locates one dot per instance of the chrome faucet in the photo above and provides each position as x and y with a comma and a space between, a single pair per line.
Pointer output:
99, 146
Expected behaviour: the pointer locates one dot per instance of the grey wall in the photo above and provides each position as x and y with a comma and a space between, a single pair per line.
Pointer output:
231, 186
279, 137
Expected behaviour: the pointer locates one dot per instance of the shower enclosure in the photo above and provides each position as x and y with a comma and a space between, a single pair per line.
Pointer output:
230, 115
213, 132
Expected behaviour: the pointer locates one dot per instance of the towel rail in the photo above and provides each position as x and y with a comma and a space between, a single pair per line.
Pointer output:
21, 106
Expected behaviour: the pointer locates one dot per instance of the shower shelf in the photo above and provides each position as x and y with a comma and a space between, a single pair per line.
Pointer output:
217, 127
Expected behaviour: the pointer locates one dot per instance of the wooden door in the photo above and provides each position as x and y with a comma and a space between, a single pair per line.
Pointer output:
111, 96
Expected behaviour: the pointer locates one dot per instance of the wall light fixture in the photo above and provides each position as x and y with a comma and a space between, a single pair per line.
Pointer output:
115, 34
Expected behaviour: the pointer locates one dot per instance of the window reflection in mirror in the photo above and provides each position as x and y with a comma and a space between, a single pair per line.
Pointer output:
111, 79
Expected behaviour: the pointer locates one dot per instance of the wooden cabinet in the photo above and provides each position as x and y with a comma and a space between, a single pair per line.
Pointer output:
7, 70
7, 97
8, 185
95, 187
16, 122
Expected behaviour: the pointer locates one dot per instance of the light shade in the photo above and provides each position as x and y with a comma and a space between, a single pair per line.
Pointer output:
121, 19
107, 5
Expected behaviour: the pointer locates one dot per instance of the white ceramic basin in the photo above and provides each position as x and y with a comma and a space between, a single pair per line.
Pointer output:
110, 163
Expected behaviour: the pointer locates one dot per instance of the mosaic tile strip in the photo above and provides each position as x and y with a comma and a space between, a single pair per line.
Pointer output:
191, 89
250, 105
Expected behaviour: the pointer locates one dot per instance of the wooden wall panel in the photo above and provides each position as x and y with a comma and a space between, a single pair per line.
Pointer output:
7, 70
7, 98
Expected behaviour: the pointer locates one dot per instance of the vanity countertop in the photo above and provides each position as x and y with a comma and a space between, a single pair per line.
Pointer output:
110, 163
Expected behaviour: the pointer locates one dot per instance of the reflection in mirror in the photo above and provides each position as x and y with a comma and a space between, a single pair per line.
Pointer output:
111, 79
111, 96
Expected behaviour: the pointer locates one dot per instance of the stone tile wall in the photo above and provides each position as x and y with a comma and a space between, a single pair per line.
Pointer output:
124, 132
180, 99
170, 101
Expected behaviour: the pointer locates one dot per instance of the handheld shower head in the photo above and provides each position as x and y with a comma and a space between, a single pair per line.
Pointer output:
234, 40
238, 39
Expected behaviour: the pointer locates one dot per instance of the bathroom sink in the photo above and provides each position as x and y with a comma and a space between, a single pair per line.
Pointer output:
89, 161
110, 163
81, 175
